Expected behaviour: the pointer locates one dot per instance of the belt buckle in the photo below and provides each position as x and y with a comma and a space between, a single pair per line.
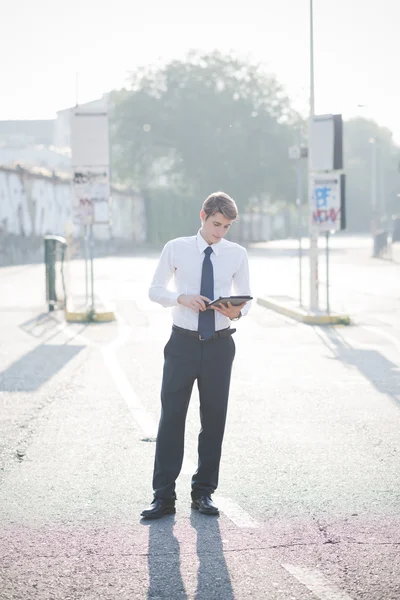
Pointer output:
201, 338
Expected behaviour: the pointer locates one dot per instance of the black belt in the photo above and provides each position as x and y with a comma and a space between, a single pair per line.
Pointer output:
195, 334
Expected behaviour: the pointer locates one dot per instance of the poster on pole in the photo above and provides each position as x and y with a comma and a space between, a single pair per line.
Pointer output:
328, 202
91, 197
91, 172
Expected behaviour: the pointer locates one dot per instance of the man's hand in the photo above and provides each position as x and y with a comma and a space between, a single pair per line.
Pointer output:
196, 303
232, 312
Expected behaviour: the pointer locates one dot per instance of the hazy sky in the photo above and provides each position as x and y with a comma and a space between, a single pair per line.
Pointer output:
43, 43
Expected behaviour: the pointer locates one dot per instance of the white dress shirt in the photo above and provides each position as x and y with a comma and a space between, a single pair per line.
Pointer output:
179, 272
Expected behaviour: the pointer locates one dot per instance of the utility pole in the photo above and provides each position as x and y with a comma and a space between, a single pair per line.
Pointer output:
312, 230
299, 202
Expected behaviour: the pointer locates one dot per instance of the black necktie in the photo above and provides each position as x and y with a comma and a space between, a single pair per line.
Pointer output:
207, 317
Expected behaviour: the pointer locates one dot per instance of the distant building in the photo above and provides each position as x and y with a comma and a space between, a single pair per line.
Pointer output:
42, 143
27, 132
30, 143
29, 156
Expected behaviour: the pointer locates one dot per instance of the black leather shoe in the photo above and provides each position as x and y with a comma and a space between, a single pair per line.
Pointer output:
158, 508
205, 505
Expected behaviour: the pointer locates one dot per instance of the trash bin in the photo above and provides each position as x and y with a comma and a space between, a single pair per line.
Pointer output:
54, 250
396, 230
380, 243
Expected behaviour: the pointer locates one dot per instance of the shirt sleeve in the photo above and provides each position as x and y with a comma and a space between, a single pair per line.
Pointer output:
158, 291
241, 281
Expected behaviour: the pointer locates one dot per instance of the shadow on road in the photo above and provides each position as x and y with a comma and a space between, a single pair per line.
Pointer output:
41, 325
46, 325
165, 580
213, 579
164, 561
32, 370
381, 372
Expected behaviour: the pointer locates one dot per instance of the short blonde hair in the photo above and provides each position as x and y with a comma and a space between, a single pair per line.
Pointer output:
219, 202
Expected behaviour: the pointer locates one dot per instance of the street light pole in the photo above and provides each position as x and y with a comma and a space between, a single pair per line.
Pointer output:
312, 93
299, 203
313, 231
374, 181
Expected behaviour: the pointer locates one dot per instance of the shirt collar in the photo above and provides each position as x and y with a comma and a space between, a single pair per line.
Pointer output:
202, 244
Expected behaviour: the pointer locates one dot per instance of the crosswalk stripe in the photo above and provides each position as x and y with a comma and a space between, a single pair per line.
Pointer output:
316, 582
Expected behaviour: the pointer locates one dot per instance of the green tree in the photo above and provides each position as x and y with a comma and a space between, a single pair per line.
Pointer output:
362, 139
206, 123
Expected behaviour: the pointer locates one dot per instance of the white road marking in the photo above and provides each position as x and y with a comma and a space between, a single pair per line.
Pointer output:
235, 512
316, 582
231, 509
188, 467
144, 420
141, 416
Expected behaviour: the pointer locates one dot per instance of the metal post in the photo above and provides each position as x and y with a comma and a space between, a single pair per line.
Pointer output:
327, 273
374, 180
86, 264
374, 186
313, 230
300, 216
91, 243
77, 88
382, 190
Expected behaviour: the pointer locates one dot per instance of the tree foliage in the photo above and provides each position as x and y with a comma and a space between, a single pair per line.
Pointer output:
360, 136
213, 121
206, 123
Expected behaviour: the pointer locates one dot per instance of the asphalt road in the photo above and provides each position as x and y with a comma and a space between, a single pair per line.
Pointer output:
309, 486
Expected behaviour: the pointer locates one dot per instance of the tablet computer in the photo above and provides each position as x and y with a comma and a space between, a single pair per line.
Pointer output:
234, 300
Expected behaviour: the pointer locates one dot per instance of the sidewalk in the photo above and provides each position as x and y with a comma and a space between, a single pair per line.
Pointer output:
357, 281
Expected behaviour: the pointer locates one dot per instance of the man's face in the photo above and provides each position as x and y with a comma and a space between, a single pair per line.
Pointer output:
215, 227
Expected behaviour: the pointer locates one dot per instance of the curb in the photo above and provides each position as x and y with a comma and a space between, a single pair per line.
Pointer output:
87, 315
303, 316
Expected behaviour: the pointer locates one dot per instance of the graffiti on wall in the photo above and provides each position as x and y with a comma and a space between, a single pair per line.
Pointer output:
36, 204
33, 206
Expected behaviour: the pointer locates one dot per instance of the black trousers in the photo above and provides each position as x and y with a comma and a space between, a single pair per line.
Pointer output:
210, 362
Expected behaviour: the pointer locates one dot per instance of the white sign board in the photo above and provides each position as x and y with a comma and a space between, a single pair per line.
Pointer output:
89, 139
90, 160
326, 205
91, 198
326, 143
294, 152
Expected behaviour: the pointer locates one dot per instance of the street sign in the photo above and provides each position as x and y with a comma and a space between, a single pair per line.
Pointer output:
89, 138
90, 160
82, 210
328, 202
294, 152
297, 152
326, 143
91, 197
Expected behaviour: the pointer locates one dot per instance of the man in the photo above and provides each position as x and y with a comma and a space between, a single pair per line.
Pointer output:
203, 267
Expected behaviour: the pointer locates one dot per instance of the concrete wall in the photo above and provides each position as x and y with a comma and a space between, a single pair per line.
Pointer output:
34, 203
